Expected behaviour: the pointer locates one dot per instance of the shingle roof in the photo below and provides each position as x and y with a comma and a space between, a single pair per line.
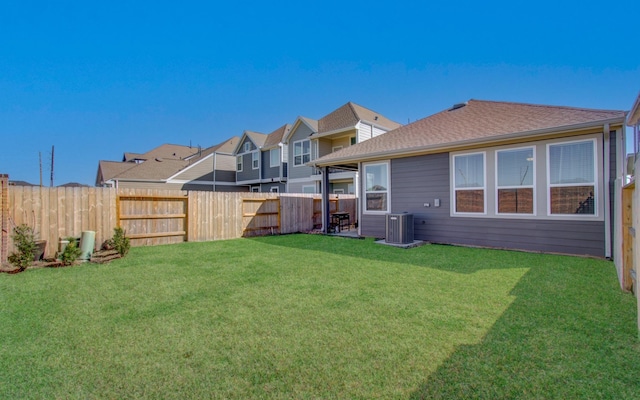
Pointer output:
476, 120
313, 123
111, 169
349, 115
275, 137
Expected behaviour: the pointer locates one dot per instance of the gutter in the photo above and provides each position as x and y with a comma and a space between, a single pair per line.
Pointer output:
454, 145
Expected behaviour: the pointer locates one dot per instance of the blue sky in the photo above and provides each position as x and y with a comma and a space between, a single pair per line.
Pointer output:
98, 79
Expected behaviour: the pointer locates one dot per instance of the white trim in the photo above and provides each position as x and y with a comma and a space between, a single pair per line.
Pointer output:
596, 192
309, 186
387, 164
453, 183
338, 191
336, 148
271, 165
219, 183
302, 154
182, 171
241, 163
255, 159
246, 147
498, 187
271, 189
255, 189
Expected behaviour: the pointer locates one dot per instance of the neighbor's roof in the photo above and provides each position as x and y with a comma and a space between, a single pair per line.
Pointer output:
275, 137
173, 151
471, 122
158, 168
634, 115
349, 115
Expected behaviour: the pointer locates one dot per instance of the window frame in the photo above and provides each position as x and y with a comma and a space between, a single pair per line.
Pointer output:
302, 153
387, 191
454, 190
247, 147
271, 153
596, 190
309, 186
274, 189
255, 189
239, 163
498, 187
255, 160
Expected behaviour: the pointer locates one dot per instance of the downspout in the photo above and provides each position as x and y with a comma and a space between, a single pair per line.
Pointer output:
607, 193
356, 191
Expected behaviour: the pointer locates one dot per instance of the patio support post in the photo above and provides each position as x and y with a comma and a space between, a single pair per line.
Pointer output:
325, 200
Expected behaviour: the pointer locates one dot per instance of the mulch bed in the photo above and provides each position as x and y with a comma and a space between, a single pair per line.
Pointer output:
98, 257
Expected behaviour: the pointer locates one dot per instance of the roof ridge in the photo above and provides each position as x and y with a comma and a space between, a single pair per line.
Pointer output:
542, 105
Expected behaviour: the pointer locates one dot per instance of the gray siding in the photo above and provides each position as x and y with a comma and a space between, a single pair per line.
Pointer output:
248, 173
302, 132
418, 180
266, 187
267, 171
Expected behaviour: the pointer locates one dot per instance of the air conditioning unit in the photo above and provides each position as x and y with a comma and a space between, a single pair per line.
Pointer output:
399, 228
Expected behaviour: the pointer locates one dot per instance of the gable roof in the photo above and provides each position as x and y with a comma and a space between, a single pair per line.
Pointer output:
165, 151
108, 170
349, 115
476, 121
256, 137
311, 123
275, 137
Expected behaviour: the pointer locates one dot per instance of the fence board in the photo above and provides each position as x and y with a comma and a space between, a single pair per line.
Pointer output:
203, 216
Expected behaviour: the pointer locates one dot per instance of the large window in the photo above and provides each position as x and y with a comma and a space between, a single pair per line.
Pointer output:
301, 152
376, 187
255, 160
274, 158
239, 163
572, 178
469, 183
515, 181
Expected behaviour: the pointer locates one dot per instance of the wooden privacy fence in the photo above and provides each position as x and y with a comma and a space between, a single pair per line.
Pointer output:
153, 217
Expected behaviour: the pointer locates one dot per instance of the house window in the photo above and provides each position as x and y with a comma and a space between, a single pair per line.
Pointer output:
469, 183
255, 189
376, 187
308, 189
247, 147
301, 152
336, 148
274, 189
338, 191
515, 181
352, 140
255, 161
239, 163
274, 158
572, 178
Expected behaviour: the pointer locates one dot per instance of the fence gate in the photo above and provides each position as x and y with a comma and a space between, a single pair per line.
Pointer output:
151, 220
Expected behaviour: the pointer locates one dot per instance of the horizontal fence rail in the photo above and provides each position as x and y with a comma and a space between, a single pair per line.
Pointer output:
152, 217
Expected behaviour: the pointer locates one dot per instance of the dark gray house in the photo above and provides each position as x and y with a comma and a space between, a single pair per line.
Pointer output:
494, 174
261, 161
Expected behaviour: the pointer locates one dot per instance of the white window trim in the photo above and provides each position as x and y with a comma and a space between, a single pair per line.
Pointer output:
247, 147
364, 188
302, 153
274, 189
453, 183
241, 163
338, 191
498, 187
255, 189
255, 160
596, 190
271, 164
336, 148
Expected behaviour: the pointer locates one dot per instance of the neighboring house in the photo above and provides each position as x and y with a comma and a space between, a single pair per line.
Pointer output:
310, 139
261, 161
300, 175
633, 121
495, 174
174, 167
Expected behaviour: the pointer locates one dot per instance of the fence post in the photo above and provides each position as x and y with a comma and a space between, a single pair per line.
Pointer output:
4, 217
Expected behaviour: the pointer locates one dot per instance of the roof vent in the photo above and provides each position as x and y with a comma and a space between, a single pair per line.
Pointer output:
375, 118
158, 159
457, 105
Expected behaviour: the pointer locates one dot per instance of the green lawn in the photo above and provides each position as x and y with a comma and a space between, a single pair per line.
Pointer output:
309, 316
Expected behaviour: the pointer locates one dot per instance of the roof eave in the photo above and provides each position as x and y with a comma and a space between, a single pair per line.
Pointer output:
464, 143
634, 115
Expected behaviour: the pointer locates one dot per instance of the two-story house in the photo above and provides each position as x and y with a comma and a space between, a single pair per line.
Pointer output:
311, 139
261, 161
